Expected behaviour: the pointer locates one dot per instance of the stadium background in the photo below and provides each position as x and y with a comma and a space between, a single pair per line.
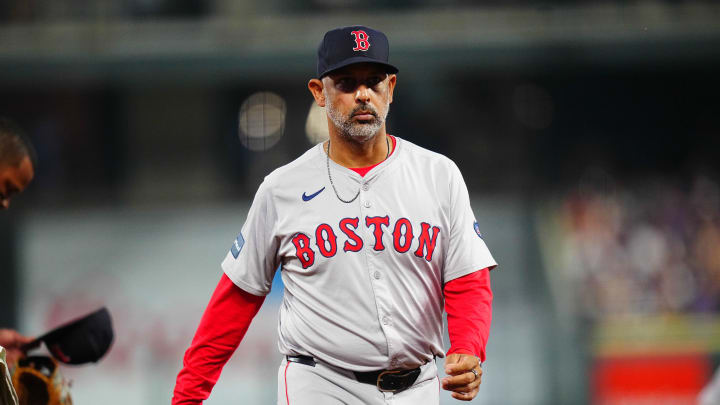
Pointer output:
587, 131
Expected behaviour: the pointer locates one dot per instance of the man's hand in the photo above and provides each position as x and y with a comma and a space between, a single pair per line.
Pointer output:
13, 342
461, 380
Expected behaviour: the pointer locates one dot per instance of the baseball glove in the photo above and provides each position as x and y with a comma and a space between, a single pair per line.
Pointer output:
38, 381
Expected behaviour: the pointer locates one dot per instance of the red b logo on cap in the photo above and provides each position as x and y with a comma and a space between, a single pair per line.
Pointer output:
361, 41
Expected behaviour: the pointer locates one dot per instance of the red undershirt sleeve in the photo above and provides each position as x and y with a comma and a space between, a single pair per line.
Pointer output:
468, 303
222, 327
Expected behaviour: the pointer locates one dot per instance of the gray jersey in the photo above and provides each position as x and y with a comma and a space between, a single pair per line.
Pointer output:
363, 281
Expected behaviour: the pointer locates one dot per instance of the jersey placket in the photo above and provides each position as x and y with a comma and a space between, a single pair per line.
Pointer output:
377, 273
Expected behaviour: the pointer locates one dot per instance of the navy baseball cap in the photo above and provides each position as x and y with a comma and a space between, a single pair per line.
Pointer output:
355, 44
81, 341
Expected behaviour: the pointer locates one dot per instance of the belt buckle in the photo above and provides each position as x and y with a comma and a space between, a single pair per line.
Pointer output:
380, 377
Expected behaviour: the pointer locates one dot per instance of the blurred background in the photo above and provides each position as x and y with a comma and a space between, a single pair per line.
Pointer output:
588, 133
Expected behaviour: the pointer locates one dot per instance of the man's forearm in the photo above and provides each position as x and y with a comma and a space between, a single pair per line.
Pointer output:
222, 328
468, 303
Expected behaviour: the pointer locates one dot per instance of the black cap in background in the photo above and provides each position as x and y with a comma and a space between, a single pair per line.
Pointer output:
81, 341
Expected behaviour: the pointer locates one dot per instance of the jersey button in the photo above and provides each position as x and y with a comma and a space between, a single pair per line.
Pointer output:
367, 204
365, 187
376, 275
386, 320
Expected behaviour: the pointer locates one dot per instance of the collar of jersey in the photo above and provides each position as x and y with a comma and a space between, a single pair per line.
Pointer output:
367, 169
336, 168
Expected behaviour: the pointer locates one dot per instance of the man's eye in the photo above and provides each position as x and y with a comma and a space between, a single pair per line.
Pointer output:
346, 84
373, 81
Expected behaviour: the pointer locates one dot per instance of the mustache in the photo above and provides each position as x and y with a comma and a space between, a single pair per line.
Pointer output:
365, 108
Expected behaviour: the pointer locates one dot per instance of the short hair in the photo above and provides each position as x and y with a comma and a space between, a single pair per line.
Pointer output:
14, 144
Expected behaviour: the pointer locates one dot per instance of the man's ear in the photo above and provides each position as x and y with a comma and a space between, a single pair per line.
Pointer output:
392, 80
316, 88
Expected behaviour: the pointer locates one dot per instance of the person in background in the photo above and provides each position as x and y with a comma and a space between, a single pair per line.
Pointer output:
17, 161
17, 169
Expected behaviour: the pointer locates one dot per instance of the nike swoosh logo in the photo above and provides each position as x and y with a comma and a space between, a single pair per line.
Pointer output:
311, 196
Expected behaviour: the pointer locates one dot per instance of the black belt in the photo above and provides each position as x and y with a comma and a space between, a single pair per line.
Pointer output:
306, 360
384, 380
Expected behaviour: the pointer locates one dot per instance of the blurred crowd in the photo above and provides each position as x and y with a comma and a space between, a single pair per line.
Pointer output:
23, 11
649, 248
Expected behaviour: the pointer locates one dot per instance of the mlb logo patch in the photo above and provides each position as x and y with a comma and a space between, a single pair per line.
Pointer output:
237, 246
477, 230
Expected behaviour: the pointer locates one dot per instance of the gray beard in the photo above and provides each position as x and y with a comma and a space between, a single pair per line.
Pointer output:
361, 132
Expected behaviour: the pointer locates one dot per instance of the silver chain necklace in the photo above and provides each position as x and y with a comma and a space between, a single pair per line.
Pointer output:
387, 142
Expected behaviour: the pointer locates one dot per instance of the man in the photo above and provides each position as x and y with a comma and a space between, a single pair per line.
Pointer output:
372, 234
17, 158
16, 171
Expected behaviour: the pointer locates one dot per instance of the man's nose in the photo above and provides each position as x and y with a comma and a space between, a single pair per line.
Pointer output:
362, 94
